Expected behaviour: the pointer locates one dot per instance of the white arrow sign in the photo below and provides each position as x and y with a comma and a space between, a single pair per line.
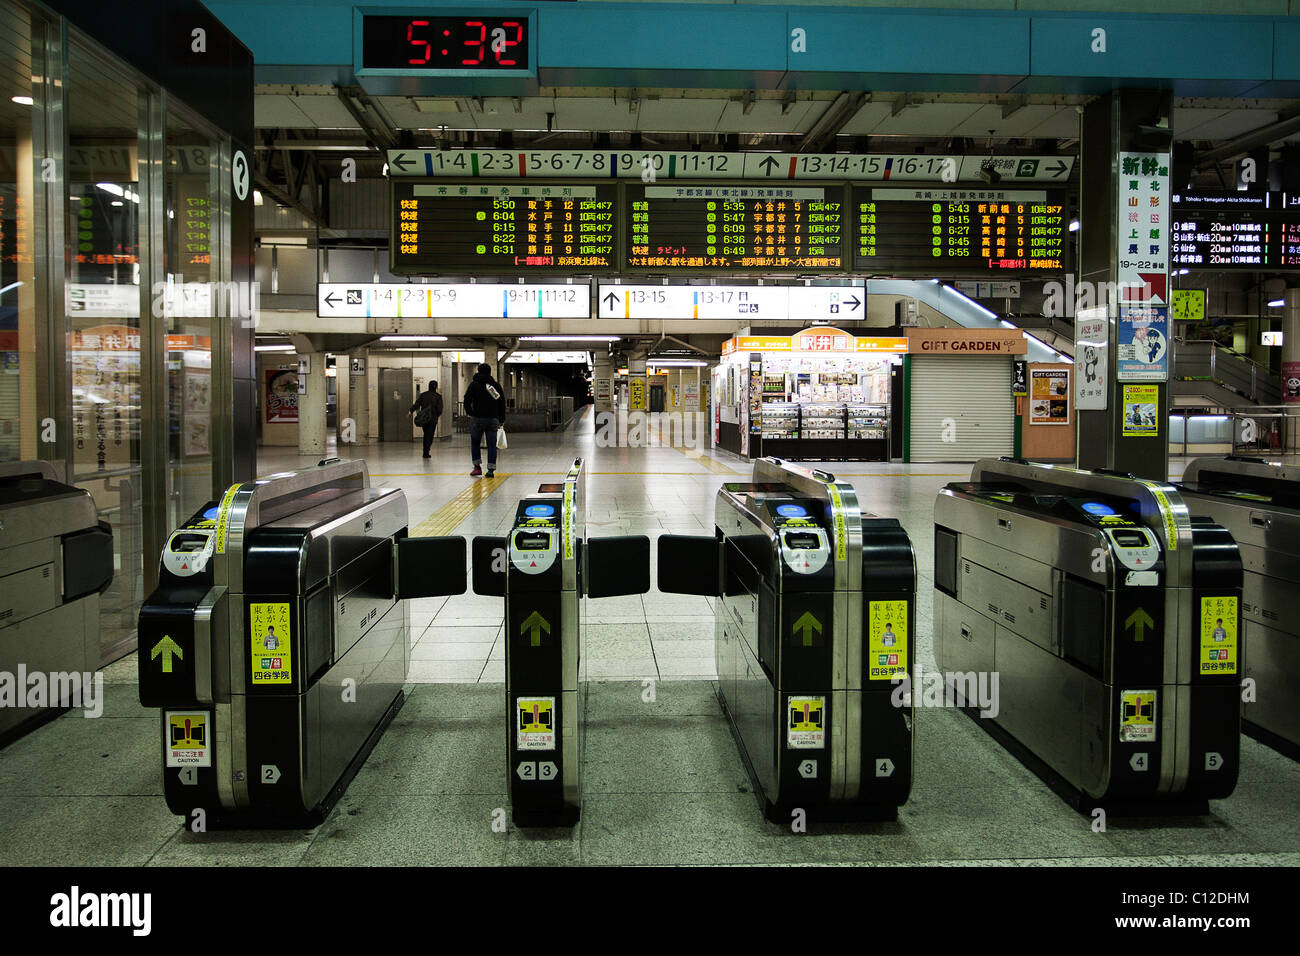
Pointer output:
270, 773
453, 300
884, 767
731, 303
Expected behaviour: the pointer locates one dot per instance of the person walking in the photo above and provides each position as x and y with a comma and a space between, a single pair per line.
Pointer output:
426, 411
485, 404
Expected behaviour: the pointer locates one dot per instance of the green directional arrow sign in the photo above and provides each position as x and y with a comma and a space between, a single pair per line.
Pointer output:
534, 625
1139, 622
167, 648
806, 625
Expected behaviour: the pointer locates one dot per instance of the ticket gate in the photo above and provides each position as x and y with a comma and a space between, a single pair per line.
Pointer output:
544, 568
1106, 620
1259, 504
56, 559
276, 644
814, 639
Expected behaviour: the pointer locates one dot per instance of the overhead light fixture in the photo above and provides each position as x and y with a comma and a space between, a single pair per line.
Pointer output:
257, 197
412, 338
113, 188
1277, 303
1074, 225
570, 338
676, 363
1182, 272
274, 348
22, 100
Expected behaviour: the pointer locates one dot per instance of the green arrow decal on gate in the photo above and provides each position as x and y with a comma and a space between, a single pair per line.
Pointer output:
167, 647
1138, 622
807, 624
536, 624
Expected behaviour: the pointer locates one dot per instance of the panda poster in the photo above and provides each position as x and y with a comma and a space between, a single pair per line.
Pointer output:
1091, 331
1291, 383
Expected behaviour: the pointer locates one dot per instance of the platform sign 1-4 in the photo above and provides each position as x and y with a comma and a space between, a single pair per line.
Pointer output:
1142, 346
517, 228
453, 300
763, 228
925, 230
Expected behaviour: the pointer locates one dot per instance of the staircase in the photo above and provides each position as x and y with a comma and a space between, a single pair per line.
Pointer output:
1206, 373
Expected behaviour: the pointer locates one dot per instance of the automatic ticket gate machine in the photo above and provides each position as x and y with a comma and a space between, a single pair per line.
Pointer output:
1259, 504
544, 568
276, 643
1109, 617
814, 639
56, 559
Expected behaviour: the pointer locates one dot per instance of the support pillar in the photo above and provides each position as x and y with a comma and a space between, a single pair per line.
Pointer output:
311, 407
1290, 439
1123, 234
359, 398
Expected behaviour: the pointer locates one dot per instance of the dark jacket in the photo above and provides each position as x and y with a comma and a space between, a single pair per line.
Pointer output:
479, 402
432, 399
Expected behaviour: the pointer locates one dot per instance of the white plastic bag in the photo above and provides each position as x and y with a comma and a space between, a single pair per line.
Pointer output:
501, 438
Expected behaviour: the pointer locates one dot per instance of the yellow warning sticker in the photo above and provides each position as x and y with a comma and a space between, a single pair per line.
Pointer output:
270, 655
568, 521
1166, 515
188, 742
841, 533
806, 728
886, 640
535, 727
1137, 716
1218, 635
223, 518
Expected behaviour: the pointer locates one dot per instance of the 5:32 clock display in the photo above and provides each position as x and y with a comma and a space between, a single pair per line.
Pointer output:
445, 43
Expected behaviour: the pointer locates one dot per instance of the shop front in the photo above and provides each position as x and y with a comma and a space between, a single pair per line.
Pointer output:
820, 394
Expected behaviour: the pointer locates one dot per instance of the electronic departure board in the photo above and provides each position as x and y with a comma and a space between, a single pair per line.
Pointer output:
442, 228
735, 228
1233, 230
939, 231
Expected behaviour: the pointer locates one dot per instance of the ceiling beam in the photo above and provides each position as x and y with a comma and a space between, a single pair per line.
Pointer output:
1264, 136
833, 119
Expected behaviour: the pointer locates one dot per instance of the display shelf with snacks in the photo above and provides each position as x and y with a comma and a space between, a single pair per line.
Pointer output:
780, 420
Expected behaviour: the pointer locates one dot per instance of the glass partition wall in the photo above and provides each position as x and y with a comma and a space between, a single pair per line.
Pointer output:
114, 251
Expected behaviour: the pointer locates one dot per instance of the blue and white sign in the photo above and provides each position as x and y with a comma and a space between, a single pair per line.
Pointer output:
540, 511
1142, 346
792, 511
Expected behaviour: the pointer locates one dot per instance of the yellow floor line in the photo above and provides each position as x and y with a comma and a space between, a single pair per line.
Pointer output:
704, 461
448, 518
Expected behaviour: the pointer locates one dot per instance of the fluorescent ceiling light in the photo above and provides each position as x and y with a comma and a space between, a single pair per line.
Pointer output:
1074, 225
1006, 324
1183, 272
22, 100
1277, 303
412, 338
570, 338
113, 188
682, 363
273, 348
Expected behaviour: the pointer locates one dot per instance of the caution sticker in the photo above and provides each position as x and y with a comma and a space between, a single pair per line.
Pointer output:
568, 521
223, 518
1137, 716
886, 640
188, 741
270, 655
806, 728
535, 727
1166, 515
1218, 635
841, 533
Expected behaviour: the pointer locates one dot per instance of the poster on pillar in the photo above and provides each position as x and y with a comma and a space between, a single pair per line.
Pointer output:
1142, 344
1291, 383
1142, 239
1090, 348
636, 395
281, 395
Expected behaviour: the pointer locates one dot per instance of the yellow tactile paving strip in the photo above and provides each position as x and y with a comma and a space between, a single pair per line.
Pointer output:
448, 518
704, 461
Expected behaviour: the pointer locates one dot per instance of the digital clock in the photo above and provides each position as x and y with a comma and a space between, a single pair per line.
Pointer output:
445, 44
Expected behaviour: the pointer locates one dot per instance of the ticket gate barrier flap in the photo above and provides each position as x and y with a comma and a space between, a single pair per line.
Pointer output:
56, 560
278, 662
814, 634
1064, 584
1258, 502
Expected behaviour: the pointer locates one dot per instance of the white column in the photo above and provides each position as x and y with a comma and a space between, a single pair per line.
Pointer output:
311, 407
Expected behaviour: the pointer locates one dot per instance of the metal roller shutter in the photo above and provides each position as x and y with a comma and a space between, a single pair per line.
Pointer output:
975, 393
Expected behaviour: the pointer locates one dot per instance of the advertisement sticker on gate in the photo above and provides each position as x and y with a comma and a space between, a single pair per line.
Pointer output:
270, 654
886, 640
1218, 635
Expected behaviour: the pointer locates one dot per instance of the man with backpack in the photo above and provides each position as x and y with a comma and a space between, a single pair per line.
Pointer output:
427, 410
485, 404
